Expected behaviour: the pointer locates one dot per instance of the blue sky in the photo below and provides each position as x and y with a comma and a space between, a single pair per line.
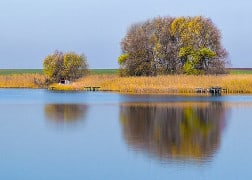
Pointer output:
32, 29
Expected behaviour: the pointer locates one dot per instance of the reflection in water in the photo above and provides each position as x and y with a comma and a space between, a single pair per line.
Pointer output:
65, 113
174, 131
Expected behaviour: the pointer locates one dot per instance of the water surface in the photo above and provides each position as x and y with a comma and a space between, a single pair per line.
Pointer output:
83, 135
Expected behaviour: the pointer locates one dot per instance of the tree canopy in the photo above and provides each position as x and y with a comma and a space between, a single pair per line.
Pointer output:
67, 66
188, 45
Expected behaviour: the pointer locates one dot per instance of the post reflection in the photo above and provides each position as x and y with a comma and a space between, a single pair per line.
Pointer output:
65, 113
174, 131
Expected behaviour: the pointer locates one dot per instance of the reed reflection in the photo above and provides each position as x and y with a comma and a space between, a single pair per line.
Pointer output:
174, 131
65, 113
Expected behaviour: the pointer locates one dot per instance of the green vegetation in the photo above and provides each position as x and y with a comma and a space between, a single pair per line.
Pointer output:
20, 71
196, 61
103, 71
240, 71
182, 45
40, 71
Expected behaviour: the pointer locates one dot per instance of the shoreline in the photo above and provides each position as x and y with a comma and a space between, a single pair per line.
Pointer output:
137, 94
169, 84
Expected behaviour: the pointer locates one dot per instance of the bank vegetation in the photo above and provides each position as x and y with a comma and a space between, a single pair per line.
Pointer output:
23, 81
234, 83
161, 84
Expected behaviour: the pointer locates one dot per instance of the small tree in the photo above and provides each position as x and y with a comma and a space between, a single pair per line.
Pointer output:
67, 66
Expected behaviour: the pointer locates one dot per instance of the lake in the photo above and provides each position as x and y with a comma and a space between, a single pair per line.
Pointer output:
97, 135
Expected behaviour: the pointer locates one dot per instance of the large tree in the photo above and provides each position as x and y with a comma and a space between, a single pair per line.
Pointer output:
66, 66
190, 45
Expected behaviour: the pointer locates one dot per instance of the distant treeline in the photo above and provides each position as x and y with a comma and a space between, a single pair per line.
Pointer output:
240, 69
20, 71
40, 71
105, 71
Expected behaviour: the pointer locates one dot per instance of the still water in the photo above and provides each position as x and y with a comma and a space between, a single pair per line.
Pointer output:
84, 135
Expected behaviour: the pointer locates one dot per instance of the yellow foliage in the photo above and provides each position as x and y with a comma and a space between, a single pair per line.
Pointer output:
188, 29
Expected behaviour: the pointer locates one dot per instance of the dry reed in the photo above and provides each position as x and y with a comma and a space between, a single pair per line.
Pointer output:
23, 81
162, 84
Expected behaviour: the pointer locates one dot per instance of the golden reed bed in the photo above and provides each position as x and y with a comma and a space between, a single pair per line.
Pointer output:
23, 81
160, 84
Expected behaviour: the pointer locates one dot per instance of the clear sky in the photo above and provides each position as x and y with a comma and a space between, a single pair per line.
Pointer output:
32, 29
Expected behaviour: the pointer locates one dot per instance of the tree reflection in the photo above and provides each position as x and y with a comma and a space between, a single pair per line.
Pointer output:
185, 131
63, 113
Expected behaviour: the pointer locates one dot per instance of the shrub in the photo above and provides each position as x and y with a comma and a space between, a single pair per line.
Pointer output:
64, 66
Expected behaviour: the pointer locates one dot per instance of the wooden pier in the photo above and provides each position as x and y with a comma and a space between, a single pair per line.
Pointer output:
92, 88
51, 88
215, 90
200, 90
212, 90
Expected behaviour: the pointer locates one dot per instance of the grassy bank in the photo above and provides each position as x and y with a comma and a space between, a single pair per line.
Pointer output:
161, 84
